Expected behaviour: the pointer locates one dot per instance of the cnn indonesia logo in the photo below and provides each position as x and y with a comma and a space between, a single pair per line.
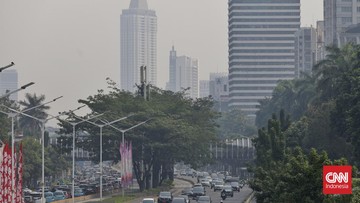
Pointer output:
337, 180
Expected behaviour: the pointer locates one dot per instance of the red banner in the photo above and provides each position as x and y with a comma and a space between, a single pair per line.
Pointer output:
6, 176
1, 171
20, 176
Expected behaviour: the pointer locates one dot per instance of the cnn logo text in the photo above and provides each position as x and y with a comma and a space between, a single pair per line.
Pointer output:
337, 179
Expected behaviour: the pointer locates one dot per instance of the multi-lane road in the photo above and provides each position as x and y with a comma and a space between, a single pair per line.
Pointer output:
238, 196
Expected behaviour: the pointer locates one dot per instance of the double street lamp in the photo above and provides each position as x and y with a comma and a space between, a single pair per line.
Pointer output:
43, 122
74, 124
123, 131
101, 155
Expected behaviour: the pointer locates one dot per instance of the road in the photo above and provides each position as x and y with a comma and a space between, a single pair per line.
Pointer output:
238, 196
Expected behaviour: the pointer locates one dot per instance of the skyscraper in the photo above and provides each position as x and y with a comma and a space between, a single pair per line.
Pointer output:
9, 82
338, 15
183, 74
305, 50
138, 44
261, 49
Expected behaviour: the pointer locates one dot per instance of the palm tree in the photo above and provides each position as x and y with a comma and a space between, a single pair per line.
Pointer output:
28, 125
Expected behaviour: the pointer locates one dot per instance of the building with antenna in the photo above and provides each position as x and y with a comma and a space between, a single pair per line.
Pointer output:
138, 45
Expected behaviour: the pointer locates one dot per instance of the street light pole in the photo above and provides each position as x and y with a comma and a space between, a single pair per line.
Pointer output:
73, 154
13, 115
123, 140
101, 158
7, 66
43, 122
14, 91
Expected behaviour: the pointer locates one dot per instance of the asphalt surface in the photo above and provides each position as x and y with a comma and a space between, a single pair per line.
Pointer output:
238, 196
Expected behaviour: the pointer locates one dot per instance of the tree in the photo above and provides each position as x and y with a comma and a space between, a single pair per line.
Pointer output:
28, 125
181, 129
234, 124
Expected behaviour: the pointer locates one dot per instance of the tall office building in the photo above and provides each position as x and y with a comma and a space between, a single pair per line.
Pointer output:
138, 44
338, 15
305, 50
261, 49
204, 88
219, 90
320, 41
9, 82
183, 74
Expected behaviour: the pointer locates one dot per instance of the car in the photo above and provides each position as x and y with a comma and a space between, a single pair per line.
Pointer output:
187, 191
187, 200
218, 186
228, 190
165, 197
235, 186
59, 195
205, 183
148, 200
78, 192
198, 191
49, 197
216, 182
204, 199
178, 200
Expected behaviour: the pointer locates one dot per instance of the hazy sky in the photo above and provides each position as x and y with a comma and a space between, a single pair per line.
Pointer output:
69, 47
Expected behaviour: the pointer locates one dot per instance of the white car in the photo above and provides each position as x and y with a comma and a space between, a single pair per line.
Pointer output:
205, 183
148, 200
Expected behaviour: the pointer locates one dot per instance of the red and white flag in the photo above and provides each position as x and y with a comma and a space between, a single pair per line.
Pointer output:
20, 176
6, 176
1, 170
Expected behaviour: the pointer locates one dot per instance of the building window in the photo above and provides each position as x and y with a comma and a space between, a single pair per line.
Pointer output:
358, 9
225, 88
346, 20
346, 9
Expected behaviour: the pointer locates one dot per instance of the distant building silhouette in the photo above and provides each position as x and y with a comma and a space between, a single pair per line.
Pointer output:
305, 50
183, 74
9, 82
138, 44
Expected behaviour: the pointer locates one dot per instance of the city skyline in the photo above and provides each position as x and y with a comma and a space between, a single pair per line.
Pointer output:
53, 43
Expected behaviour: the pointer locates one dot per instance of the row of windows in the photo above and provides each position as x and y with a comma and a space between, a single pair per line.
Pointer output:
264, 1
260, 32
260, 69
264, 14
265, 8
264, 26
255, 51
261, 45
252, 82
251, 94
251, 88
260, 63
265, 20
262, 38
260, 75
261, 57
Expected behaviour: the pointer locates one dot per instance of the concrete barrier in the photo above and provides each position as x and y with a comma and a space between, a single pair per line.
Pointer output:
249, 198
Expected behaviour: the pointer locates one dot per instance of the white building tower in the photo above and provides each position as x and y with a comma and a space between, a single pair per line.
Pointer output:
138, 44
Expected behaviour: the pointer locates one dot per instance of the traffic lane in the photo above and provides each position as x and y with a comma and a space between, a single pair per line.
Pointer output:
179, 185
238, 196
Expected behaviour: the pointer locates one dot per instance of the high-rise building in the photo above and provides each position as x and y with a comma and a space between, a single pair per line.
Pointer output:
9, 82
172, 70
204, 89
261, 49
138, 44
219, 90
183, 74
305, 50
338, 15
350, 35
320, 44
